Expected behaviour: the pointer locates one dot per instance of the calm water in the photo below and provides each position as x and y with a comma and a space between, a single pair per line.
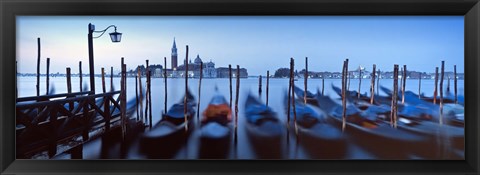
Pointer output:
176, 87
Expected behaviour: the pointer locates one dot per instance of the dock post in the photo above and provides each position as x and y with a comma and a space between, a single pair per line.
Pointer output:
38, 67
305, 81
139, 72
103, 80
111, 79
344, 90
359, 81
436, 84
268, 82
323, 85
237, 95
149, 95
80, 75
441, 92
69, 88
289, 94
124, 101
230, 77
293, 101
237, 92
455, 82
48, 76
199, 91
393, 113
136, 96
404, 79
186, 91
146, 94
260, 86
372, 86
165, 78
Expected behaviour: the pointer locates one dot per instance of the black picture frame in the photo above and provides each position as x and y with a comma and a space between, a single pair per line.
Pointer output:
9, 9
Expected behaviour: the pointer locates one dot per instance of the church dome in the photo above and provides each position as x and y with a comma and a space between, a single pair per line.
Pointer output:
198, 60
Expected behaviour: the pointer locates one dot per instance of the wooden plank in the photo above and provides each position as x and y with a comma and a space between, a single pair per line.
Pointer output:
66, 100
44, 97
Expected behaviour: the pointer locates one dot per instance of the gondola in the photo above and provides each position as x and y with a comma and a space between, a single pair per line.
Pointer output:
264, 129
353, 97
310, 96
379, 138
320, 138
216, 129
168, 135
440, 136
432, 111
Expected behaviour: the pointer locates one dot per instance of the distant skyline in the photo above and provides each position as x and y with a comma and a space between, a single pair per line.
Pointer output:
258, 43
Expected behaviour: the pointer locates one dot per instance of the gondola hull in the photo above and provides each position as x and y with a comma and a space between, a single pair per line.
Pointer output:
215, 141
165, 140
266, 139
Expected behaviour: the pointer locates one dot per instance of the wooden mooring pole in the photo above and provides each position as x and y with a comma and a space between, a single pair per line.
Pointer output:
260, 86
293, 101
268, 82
146, 95
436, 84
186, 91
165, 79
344, 90
441, 92
359, 81
199, 91
124, 99
237, 92
372, 85
69, 87
48, 77
136, 96
103, 81
80, 75
289, 94
140, 88
38, 67
323, 84
149, 94
404, 79
305, 81
455, 82
393, 112
111, 79
230, 77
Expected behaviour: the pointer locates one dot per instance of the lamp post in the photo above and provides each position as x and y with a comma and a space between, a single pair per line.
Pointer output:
114, 36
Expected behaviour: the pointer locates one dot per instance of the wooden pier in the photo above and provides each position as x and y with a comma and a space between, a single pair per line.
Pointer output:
59, 123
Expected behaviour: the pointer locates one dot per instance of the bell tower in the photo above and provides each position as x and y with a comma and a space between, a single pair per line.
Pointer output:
174, 55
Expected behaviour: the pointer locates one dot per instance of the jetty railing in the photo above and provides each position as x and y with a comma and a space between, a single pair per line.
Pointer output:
43, 122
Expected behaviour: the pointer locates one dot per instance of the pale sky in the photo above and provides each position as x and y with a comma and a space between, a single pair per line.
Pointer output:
258, 43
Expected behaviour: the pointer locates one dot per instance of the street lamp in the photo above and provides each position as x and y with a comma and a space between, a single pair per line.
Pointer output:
114, 36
